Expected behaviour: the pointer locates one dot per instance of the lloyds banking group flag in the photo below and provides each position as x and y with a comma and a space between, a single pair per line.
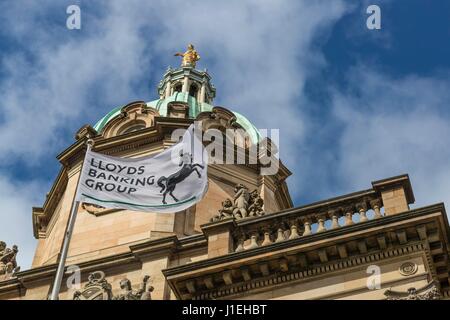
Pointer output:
170, 181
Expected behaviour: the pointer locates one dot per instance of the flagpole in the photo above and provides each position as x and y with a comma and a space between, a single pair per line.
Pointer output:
68, 235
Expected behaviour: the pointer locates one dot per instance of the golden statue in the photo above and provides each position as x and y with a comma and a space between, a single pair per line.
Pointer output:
190, 57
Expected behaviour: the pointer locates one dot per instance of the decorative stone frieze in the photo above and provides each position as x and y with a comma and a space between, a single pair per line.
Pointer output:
247, 279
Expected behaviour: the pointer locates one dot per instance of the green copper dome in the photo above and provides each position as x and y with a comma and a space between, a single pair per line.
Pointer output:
195, 108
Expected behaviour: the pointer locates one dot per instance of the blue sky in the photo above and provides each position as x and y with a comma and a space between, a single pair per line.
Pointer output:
353, 105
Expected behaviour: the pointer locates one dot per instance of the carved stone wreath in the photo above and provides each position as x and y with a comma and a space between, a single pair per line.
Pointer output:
408, 268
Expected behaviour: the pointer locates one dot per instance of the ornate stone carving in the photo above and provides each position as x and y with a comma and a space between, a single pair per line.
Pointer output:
428, 292
97, 288
144, 292
256, 205
245, 204
8, 263
96, 209
226, 211
92, 208
408, 268
241, 201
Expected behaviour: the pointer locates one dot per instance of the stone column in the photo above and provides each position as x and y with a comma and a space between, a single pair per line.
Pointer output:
203, 93
185, 87
167, 89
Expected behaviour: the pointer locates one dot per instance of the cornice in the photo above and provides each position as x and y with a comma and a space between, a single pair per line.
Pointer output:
309, 273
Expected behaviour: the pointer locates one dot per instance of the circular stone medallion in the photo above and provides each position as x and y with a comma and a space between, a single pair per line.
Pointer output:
408, 268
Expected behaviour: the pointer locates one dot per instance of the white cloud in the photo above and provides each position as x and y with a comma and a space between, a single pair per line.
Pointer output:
393, 126
15, 221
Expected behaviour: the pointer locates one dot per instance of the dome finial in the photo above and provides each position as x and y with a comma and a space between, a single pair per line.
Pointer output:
190, 57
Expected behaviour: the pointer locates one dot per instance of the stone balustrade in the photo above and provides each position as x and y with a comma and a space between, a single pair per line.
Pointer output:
386, 197
306, 221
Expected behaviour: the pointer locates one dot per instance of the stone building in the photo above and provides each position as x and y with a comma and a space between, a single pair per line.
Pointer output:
365, 245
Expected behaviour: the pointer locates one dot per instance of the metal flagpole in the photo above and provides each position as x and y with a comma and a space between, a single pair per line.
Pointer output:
67, 237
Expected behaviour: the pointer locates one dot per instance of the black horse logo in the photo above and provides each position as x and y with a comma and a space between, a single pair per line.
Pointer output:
168, 184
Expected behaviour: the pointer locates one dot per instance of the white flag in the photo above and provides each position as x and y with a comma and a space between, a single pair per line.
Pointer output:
171, 181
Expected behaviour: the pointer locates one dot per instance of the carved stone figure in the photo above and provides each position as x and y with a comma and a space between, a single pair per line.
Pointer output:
428, 292
226, 211
190, 57
241, 198
256, 204
144, 292
97, 288
244, 204
8, 263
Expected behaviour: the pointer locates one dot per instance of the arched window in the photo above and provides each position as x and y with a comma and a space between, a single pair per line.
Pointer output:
138, 125
134, 128
193, 91
177, 88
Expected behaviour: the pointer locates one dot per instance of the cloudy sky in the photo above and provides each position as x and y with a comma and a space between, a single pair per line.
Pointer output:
353, 105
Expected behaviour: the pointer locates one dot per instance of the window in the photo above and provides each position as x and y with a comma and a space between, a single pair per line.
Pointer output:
134, 128
193, 91
177, 88
131, 127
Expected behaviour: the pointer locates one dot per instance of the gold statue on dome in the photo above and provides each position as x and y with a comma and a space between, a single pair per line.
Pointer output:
190, 57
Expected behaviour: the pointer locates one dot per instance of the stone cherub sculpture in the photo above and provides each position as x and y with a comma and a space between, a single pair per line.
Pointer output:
190, 57
256, 207
226, 211
143, 293
241, 199
8, 263
244, 204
